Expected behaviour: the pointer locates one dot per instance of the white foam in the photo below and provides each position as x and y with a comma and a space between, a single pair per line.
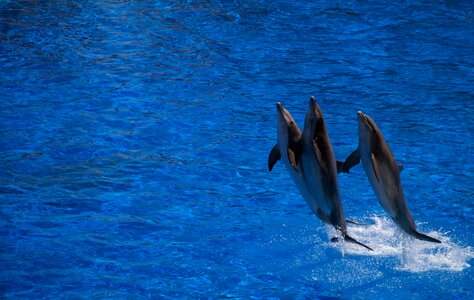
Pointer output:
414, 255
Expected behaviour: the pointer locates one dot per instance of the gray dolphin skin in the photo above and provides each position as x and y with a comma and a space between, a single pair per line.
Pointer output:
384, 175
288, 149
320, 170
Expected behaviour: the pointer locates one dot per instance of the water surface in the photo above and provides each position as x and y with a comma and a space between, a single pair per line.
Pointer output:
135, 135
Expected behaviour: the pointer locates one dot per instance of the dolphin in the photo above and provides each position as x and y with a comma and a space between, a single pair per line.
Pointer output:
320, 170
384, 175
288, 150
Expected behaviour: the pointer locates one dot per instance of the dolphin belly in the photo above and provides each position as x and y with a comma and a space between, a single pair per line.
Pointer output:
312, 177
377, 185
308, 197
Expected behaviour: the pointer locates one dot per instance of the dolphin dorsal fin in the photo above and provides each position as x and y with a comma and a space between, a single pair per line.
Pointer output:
274, 156
375, 166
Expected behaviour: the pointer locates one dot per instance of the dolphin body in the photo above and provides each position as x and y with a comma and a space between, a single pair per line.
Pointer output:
288, 149
320, 170
384, 175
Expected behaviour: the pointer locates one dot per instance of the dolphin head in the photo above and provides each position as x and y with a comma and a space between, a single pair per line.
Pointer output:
367, 126
313, 121
287, 127
366, 122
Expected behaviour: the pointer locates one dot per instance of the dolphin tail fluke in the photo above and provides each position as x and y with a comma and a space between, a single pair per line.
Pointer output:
424, 237
356, 223
350, 239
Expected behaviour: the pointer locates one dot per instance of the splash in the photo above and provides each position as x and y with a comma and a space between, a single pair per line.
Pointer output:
414, 255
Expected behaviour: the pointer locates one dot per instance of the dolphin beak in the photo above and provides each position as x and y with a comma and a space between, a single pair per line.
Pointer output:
279, 108
365, 120
312, 103
314, 110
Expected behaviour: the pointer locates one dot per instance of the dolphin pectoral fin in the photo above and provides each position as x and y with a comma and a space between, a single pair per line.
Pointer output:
350, 239
317, 153
273, 157
340, 166
292, 159
424, 237
298, 150
352, 160
375, 166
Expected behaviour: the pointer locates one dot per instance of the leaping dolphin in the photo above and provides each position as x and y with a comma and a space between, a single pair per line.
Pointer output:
384, 175
320, 170
288, 149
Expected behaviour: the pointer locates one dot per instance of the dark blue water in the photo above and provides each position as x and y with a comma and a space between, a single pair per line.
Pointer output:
134, 139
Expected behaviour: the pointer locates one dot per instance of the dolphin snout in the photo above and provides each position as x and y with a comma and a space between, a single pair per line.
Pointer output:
314, 110
312, 103
279, 106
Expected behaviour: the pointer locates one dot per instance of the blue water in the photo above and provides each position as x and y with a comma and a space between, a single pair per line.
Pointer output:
134, 139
